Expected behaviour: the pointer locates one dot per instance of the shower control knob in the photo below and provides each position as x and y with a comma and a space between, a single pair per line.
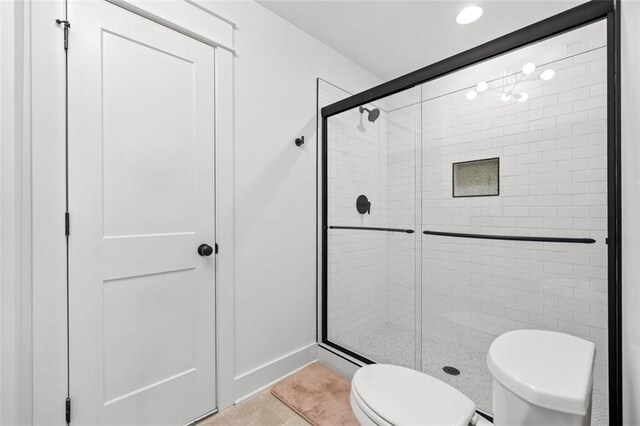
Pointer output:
363, 205
205, 250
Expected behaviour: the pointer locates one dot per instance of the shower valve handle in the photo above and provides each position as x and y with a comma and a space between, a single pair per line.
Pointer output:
363, 205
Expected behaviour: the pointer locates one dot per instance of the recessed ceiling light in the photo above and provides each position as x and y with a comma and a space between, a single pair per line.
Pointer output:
528, 68
471, 94
547, 74
482, 86
468, 15
505, 97
523, 97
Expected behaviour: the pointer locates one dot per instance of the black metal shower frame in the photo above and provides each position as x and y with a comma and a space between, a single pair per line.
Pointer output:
587, 13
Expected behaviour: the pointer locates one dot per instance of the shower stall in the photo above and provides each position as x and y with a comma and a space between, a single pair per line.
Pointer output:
477, 201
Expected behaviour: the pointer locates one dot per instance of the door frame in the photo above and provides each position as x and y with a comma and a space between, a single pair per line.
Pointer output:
594, 10
39, 329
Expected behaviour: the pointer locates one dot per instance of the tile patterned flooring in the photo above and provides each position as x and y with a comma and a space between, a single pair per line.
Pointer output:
395, 344
263, 409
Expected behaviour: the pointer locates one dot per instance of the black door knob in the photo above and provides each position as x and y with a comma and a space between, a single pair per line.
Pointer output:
205, 250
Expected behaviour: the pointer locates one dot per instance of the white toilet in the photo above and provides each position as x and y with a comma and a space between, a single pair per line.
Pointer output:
539, 378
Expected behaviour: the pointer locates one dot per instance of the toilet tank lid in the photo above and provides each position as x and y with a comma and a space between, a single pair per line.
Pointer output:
403, 396
545, 368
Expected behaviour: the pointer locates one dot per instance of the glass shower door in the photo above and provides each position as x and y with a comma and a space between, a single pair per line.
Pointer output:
514, 207
371, 230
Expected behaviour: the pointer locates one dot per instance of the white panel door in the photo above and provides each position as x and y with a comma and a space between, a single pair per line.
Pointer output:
141, 188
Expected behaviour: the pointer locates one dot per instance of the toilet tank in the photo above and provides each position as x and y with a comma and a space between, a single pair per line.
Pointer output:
542, 378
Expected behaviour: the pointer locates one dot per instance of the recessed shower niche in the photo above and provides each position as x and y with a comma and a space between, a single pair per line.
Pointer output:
476, 178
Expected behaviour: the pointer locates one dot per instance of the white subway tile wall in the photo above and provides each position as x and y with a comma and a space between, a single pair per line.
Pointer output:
357, 268
552, 152
404, 157
371, 274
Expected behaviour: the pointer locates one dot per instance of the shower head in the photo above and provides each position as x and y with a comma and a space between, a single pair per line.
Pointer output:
373, 113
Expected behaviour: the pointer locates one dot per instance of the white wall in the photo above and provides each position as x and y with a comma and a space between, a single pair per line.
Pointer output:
275, 73
14, 324
630, 211
7, 319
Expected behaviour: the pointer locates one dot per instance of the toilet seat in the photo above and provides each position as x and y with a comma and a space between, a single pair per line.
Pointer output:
394, 395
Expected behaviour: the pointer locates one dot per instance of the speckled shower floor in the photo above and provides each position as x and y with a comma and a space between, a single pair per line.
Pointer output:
395, 345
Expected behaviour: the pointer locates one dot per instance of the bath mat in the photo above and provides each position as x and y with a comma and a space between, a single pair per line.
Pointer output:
318, 394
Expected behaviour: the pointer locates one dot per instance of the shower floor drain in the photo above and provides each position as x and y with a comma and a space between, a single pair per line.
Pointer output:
451, 370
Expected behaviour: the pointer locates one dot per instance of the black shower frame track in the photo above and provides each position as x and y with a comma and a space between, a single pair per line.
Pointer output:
587, 13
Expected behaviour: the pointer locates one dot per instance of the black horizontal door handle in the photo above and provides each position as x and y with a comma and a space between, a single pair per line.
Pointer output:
513, 237
370, 228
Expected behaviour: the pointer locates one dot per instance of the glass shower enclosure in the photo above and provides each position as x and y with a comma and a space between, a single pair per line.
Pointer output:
470, 205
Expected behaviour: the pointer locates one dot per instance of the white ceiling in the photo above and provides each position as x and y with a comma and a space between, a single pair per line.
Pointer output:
391, 38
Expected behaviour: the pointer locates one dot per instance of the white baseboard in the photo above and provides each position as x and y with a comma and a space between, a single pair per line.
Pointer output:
268, 385
252, 382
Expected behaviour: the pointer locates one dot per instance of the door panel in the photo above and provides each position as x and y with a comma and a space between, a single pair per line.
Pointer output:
165, 324
152, 176
141, 191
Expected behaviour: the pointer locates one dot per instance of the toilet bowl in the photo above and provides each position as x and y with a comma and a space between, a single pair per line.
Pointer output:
539, 378
392, 395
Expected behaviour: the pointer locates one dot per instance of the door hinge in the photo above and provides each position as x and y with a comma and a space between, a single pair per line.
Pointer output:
66, 25
67, 225
216, 248
67, 410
